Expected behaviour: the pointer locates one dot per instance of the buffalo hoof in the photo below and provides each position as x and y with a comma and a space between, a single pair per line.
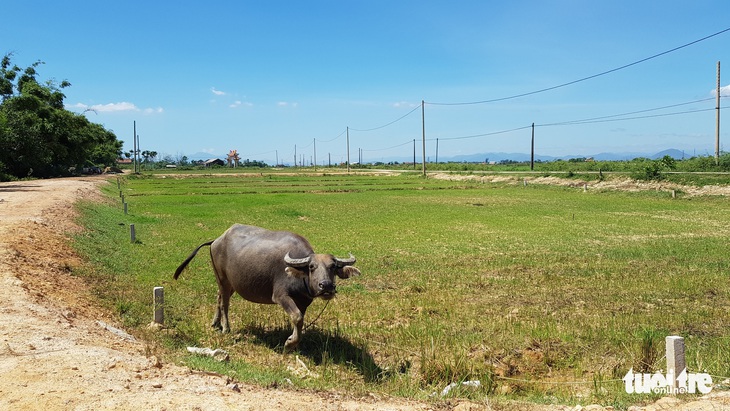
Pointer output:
291, 344
220, 328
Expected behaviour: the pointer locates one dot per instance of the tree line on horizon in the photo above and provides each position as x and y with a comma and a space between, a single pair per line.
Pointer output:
39, 138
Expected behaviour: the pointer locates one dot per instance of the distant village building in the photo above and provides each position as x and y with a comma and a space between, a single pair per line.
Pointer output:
214, 162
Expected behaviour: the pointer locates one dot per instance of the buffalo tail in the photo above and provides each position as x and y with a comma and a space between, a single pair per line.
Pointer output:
190, 258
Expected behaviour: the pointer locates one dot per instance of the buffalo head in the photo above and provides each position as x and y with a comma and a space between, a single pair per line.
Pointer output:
318, 272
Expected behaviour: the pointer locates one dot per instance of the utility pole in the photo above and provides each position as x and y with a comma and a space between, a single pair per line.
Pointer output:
717, 119
136, 149
134, 143
315, 154
532, 149
348, 149
414, 153
139, 159
437, 151
423, 128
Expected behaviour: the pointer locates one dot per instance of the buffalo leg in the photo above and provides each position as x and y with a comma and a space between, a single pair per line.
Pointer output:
220, 320
296, 316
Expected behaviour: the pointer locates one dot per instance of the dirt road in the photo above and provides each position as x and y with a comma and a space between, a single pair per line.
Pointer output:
55, 354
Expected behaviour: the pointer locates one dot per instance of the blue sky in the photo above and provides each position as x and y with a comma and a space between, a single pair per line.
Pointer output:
263, 77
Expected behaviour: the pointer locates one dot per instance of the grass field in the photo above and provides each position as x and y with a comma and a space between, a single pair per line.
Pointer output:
544, 294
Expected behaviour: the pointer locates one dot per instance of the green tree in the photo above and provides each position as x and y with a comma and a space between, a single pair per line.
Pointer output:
38, 137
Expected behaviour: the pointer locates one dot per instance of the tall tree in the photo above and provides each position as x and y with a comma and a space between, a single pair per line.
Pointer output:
38, 137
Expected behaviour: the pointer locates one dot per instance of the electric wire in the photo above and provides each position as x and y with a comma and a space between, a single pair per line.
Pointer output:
333, 139
628, 118
602, 119
386, 125
480, 135
613, 116
610, 118
584, 78
389, 148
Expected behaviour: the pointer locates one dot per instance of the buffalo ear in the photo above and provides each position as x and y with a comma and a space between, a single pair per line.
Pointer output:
294, 272
347, 272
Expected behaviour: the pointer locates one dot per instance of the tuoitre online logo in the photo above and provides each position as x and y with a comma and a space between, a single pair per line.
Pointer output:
686, 383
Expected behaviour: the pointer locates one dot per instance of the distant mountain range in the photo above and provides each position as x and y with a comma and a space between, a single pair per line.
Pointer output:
482, 157
500, 156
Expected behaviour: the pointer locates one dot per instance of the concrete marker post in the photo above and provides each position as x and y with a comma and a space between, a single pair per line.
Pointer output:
125, 208
676, 362
132, 234
159, 304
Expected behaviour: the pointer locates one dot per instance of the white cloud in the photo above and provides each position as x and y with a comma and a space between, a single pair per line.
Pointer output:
115, 107
239, 103
287, 104
724, 91
404, 104
217, 92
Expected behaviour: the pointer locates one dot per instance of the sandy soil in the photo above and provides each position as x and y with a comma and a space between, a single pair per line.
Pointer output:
57, 354
622, 184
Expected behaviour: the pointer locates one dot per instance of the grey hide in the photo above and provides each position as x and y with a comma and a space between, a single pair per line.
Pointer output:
271, 267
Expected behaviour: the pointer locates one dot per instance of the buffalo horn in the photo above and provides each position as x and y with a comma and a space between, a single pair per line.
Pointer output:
341, 262
296, 262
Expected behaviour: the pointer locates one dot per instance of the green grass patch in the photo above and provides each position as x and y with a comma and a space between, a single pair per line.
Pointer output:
528, 289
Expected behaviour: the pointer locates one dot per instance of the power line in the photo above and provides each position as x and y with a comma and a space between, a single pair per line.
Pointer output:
629, 118
584, 78
331, 140
597, 119
392, 122
481, 135
390, 148
602, 119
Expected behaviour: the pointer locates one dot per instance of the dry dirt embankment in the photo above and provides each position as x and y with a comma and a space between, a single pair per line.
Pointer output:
54, 355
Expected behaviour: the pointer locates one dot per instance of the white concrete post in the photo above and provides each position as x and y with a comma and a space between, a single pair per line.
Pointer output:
675, 357
159, 303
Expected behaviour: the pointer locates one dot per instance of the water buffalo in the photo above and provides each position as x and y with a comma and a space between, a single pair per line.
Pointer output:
271, 267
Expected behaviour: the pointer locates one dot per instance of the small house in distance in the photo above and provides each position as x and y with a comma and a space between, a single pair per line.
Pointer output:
214, 162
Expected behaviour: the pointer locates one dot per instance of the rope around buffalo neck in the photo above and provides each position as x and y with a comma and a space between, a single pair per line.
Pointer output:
317, 317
